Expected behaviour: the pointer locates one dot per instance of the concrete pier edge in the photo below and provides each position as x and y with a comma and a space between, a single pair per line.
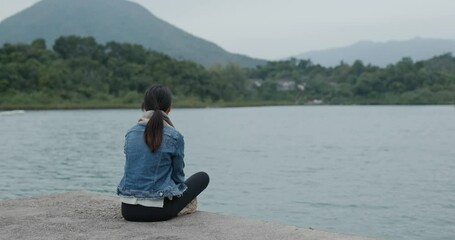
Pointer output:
87, 215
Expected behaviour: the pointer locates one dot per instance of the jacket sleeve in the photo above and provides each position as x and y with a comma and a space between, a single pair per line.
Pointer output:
178, 163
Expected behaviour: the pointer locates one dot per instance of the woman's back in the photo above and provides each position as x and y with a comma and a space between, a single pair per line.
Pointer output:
153, 174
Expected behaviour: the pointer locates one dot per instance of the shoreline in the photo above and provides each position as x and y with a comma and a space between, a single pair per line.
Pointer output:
87, 215
176, 104
137, 106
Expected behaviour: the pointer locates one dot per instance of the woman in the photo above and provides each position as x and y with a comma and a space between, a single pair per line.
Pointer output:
153, 186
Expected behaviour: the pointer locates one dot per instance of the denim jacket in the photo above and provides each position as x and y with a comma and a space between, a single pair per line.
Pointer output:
153, 175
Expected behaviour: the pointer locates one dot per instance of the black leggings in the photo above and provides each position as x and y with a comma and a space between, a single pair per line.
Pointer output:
137, 213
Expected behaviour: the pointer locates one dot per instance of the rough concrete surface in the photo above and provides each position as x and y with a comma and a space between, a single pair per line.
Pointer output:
81, 215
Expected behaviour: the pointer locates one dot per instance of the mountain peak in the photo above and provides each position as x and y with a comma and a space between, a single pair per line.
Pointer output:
113, 20
382, 53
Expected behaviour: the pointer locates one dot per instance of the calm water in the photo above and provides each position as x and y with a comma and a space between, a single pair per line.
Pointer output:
385, 172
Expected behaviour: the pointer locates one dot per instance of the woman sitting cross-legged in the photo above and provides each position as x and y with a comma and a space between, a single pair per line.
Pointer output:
153, 187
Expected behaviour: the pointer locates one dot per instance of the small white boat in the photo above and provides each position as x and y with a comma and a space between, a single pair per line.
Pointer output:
12, 112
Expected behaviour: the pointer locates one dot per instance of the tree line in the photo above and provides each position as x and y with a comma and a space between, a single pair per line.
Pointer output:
80, 72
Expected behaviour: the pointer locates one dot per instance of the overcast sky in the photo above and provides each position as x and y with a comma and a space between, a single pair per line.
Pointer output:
273, 29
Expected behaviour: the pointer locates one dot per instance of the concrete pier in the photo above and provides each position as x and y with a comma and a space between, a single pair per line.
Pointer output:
82, 215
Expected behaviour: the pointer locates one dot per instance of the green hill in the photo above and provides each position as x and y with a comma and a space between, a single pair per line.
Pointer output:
113, 20
81, 73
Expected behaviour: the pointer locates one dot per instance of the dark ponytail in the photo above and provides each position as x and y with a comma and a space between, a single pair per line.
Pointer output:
157, 98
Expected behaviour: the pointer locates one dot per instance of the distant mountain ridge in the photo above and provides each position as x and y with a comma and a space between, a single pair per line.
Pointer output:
381, 53
113, 20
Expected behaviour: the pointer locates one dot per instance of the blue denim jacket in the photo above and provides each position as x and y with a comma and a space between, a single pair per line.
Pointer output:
153, 175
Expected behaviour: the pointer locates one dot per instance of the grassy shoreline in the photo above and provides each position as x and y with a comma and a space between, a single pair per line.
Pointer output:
117, 105
88, 106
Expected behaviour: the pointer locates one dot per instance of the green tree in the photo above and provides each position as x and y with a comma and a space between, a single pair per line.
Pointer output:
74, 46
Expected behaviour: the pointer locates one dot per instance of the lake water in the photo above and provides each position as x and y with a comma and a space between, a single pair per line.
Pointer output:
381, 171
